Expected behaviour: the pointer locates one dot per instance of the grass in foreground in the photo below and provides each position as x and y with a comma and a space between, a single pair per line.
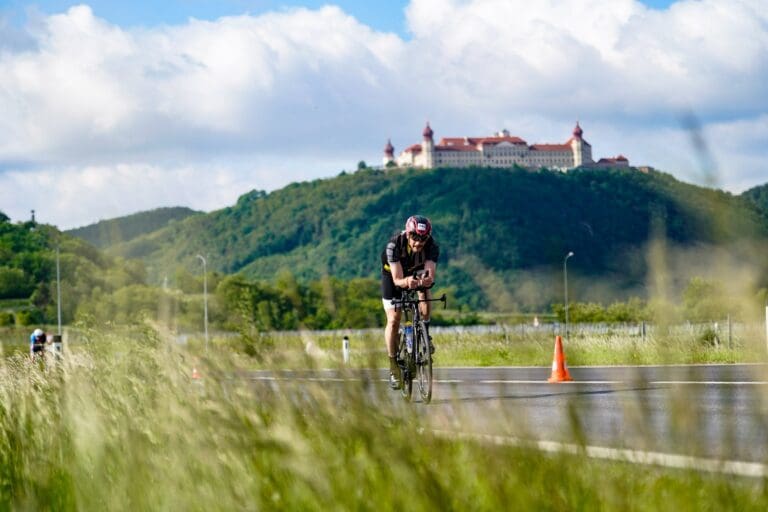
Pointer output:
121, 426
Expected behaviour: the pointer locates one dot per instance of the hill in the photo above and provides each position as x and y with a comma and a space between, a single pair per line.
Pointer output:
503, 232
124, 229
28, 273
758, 196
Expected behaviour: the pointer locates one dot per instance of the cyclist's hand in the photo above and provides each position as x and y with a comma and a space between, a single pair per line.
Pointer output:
411, 282
426, 281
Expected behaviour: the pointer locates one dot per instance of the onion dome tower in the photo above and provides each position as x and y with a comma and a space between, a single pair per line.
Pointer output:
577, 131
389, 153
582, 151
428, 146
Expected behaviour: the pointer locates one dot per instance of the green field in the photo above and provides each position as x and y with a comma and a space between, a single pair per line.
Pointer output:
513, 348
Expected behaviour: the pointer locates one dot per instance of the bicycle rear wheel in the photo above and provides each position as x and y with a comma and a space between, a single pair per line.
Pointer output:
423, 366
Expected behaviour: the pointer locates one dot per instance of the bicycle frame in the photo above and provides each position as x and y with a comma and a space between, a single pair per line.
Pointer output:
416, 362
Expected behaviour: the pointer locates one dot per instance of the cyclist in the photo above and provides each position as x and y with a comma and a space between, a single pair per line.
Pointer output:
408, 261
37, 342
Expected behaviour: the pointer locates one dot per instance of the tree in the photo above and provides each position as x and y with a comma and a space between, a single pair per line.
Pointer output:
187, 282
41, 297
703, 300
14, 284
6, 318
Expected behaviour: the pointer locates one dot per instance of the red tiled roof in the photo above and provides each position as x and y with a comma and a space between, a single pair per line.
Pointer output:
457, 147
471, 144
474, 141
416, 148
612, 160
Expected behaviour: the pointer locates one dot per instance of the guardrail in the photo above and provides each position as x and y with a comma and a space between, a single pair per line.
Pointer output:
723, 331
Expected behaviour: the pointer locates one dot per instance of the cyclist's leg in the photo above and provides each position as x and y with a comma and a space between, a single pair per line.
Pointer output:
425, 308
38, 357
391, 331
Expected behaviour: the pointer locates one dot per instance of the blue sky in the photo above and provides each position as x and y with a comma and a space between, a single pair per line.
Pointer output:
118, 107
381, 15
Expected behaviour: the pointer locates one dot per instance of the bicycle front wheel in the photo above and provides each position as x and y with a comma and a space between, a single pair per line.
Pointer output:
406, 379
424, 366
406, 372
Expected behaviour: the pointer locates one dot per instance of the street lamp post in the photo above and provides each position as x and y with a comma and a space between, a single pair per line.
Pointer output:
205, 299
58, 292
565, 280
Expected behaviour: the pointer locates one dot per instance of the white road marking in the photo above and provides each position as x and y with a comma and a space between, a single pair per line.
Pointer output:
654, 382
544, 381
338, 379
715, 382
541, 381
669, 460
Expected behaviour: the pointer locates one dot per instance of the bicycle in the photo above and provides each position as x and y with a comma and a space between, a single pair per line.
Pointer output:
414, 356
39, 359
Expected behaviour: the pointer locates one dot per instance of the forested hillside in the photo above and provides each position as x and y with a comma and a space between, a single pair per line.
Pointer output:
124, 229
758, 196
503, 232
28, 273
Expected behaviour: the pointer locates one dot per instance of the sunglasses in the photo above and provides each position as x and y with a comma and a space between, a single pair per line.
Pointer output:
419, 238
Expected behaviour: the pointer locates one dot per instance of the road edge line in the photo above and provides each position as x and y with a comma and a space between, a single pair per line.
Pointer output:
668, 460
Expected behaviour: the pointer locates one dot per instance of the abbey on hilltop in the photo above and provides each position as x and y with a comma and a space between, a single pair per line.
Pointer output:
499, 150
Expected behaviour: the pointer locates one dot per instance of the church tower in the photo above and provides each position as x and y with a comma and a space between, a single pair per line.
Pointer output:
428, 147
582, 151
389, 153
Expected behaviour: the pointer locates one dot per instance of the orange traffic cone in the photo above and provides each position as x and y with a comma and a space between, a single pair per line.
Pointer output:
195, 373
559, 368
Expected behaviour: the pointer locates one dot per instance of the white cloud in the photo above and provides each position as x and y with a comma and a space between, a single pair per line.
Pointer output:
96, 114
72, 196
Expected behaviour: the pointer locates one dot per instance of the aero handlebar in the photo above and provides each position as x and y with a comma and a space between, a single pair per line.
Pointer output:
406, 300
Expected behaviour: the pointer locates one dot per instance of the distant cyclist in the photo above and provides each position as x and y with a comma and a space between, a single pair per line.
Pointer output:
409, 261
37, 341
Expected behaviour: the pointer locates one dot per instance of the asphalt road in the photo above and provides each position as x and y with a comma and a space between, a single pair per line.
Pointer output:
712, 411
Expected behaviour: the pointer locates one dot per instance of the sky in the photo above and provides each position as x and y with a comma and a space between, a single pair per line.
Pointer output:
110, 108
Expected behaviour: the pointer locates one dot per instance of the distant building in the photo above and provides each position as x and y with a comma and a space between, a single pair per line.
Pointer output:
617, 161
499, 150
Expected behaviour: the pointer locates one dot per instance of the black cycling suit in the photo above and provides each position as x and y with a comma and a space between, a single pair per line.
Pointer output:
398, 250
38, 344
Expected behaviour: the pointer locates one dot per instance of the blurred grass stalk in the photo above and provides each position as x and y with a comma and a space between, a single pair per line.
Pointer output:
120, 425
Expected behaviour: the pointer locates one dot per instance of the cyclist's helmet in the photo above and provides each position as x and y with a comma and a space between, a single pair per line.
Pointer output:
37, 333
418, 227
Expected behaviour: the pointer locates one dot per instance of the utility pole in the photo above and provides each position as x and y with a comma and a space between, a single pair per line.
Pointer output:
205, 300
565, 279
58, 289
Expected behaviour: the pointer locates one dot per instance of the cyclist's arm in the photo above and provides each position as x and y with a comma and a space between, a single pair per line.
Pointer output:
430, 268
407, 282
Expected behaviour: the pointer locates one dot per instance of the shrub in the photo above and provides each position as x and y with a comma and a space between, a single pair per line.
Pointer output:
29, 317
6, 318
